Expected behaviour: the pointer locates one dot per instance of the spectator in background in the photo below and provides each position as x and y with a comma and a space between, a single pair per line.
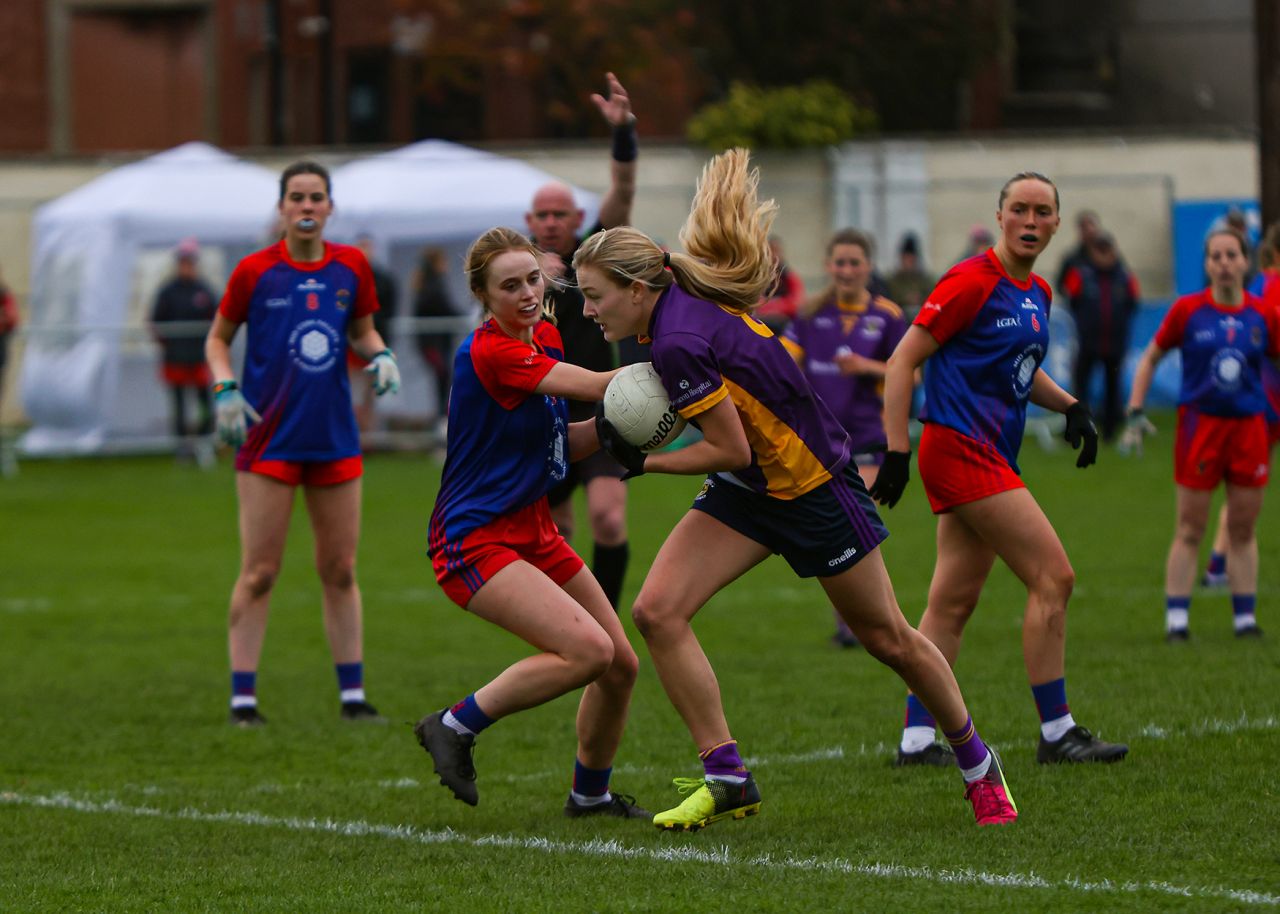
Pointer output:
384, 285
1088, 225
910, 282
1103, 295
431, 299
182, 303
779, 309
8, 324
980, 239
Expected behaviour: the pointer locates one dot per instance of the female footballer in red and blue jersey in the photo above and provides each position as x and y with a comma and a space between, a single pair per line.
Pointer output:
983, 333
1226, 337
780, 479
494, 547
304, 301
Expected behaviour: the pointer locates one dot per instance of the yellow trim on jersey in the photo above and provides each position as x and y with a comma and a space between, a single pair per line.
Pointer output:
705, 403
891, 307
790, 468
796, 350
756, 326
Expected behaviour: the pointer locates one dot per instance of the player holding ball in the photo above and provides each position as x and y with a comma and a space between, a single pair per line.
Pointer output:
779, 479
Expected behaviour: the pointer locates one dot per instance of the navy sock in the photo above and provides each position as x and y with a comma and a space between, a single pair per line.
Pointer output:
1177, 613
1217, 563
350, 681
468, 713
917, 714
590, 782
244, 689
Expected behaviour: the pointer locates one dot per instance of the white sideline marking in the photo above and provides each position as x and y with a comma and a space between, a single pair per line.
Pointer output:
676, 854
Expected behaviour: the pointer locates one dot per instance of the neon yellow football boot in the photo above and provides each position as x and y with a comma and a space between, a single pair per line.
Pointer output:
710, 801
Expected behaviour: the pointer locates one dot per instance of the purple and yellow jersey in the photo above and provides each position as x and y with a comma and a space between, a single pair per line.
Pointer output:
1223, 349
295, 366
705, 352
817, 342
507, 444
993, 333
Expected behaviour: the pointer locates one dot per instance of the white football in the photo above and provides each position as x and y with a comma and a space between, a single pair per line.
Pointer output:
636, 404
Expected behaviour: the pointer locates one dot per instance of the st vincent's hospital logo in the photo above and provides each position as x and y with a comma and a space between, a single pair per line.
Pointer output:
314, 346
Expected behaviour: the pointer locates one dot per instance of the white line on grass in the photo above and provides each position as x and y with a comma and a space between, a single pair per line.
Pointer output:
677, 854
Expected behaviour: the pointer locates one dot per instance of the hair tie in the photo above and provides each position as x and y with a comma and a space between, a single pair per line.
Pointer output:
666, 260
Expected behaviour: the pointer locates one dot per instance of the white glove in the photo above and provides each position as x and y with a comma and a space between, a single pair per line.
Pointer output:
1136, 427
232, 411
386, 374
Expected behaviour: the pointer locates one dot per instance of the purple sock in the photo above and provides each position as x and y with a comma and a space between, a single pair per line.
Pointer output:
968, 745
723, 761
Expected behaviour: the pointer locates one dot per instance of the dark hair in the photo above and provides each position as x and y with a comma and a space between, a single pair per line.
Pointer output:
1227, 230
852, 236
1028, 176
305, 167
1269, 247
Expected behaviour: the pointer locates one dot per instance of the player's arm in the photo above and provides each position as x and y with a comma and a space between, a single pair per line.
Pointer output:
575, 382
615, 208
217, 347
583, 440
1142, 376
364, 338
852, 363
916, 347
723, 447
1046, 393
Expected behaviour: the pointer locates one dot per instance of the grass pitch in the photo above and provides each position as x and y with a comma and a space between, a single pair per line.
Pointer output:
122, 788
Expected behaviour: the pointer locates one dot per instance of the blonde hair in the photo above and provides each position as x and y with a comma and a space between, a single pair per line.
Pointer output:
726, 240
481, 254
1269, 248
810, 306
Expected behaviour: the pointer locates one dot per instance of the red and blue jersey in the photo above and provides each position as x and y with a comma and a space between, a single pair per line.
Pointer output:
295, 366
993, 333
871, 330
705, 352
507, 444
1269, 292
1224, 349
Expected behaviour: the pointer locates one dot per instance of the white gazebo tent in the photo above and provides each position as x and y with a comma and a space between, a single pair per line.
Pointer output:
431, 194
89, 374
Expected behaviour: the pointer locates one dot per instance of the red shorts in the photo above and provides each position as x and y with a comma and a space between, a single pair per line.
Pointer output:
303, 472
186, 375
1209, 449
956, 469
527, 535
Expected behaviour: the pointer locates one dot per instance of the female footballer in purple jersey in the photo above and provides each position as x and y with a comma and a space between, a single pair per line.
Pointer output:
984, 332
304, 302
494, 547
780, 480
1226, 337
841, 339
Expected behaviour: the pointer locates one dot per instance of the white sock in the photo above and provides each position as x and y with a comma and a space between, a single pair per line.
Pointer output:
583, 800
454, 724
978, 771
349, 695
1176, 619
244, 701
1246, 621
1054, 730
915, 739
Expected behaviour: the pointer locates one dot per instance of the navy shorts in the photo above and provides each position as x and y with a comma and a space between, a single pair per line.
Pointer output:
820, 534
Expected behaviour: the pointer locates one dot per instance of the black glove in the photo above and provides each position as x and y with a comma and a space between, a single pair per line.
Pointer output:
1080, 429
892, 478
618, 447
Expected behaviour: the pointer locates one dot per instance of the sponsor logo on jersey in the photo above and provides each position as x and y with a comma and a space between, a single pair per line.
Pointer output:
314, 346
684, 385
1008, 322
1029, 305
311, 285
842, 557
1231, 325
1035, 323
313, 301
691, 393
1204, 336
277, 302
931, 306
